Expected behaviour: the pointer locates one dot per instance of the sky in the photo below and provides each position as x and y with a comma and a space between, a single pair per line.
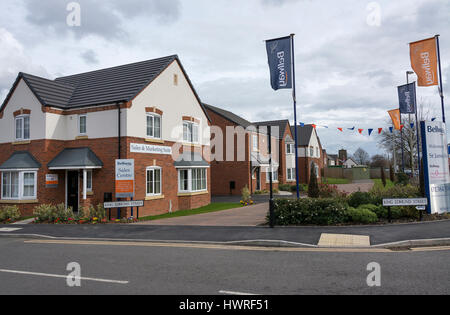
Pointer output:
350, 54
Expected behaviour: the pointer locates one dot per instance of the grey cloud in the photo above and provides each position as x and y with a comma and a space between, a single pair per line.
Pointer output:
90, 57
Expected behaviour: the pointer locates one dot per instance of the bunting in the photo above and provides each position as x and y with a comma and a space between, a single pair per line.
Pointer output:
370, 131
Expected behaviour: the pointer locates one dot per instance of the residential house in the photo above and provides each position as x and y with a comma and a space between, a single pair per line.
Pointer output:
59, 139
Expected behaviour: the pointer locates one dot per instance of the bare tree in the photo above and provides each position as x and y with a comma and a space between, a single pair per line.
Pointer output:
379, 160
361, 157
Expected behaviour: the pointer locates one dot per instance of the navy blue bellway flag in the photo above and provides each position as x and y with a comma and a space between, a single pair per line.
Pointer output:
407, 98
279, 54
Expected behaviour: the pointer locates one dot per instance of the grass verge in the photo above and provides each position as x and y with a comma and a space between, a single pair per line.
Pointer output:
213, 207
336, 181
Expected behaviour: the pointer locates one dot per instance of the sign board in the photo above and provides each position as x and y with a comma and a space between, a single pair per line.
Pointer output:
123, 204
405, 202
124, 178
150, 149
435, 163
51, 180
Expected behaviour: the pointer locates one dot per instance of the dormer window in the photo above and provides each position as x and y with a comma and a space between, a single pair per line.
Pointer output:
22, 125
82, 124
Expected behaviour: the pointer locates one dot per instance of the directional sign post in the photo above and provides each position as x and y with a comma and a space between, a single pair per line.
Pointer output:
124, 204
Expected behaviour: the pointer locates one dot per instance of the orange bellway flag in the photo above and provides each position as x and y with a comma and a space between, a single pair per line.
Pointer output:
395, 116
424, 61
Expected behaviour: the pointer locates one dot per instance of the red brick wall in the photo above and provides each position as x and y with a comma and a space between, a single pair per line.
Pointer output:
103, 179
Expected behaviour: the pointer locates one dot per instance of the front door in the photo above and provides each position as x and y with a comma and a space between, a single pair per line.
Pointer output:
258, 178
72, 190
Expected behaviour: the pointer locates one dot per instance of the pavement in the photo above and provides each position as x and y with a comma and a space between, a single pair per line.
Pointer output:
243, 216
41, 267
356, 185
379, 235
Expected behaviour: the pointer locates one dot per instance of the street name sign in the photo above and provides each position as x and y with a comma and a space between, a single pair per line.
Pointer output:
405, 202
123, 204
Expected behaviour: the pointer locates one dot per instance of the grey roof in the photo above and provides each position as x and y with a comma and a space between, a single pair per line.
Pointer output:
281, 124
106, 86
190, 159
229, 116
75, 157
303, 134
20, 160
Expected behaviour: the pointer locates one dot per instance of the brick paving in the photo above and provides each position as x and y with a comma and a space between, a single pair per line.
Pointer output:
363, 185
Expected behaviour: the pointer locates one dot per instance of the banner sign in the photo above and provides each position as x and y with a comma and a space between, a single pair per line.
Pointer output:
435, 163
405, 202
123, 204
150, 149
124, 178
407, 98
424, 61
395, 116
280, 61
51, 180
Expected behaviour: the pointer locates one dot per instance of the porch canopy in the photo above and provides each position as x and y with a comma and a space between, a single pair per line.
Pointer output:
190, 159
20, 160
76, 159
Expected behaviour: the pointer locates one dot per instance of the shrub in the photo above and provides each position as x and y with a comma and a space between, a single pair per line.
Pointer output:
98, 212
402, 179
284, 187
45, 212
379, 210
362, 215
245, 192
360, 198
318, 211
9, 214
313, 187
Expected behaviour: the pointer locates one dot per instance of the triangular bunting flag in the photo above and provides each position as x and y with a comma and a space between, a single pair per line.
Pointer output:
401, 127
314, 126
370, 132
351, 128
391, 129
341, 130
433, 119
302, 125
412, 125
380, 130
360, 130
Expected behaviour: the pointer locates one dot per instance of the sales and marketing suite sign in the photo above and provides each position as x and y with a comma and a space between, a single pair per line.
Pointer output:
124, 178
436, 168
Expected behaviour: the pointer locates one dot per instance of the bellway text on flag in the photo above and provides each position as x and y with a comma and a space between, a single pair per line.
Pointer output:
424, 61
407, 98
279, 55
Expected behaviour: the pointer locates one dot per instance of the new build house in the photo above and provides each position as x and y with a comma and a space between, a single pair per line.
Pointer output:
229, 176
60, 138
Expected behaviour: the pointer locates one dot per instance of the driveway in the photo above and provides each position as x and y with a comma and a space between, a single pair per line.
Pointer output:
242, 216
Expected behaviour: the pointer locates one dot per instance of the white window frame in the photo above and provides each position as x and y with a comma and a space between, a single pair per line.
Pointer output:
255, 142
79, 125
311, 151
292, 177
153, 116
153, 168
21, 184
189, 179
21, 119
89, 175
291, 149
192, 130
274, 175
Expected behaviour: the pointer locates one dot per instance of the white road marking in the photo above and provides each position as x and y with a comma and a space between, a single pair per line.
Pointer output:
61, 276
235, 293
9, 229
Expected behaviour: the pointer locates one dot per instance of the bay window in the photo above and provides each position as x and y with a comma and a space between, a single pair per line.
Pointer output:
22, 127
153, 126
192, 180
153, 181
190, 132
19, 185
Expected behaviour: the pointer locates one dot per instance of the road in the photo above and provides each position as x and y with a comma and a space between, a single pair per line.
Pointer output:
189, 269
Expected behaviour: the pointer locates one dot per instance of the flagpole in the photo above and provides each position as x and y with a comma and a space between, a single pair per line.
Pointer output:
294, 97
417, 131
441, 91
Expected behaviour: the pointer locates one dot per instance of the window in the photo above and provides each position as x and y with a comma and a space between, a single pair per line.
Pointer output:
255, 142
175, 79
192, 180
82, 124
19, 185
290, 148
89, 181
154, 126
290, 174
274, 176
317, 152
22, 127
311, 151
190, 132
153, 181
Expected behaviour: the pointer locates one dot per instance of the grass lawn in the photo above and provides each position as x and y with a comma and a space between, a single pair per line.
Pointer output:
336, 181
213, 207
379, 184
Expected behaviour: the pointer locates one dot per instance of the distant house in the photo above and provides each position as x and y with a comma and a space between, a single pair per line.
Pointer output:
350, 163
310, 153
333, 160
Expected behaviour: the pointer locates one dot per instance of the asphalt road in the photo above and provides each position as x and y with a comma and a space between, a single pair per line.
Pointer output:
205, 271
